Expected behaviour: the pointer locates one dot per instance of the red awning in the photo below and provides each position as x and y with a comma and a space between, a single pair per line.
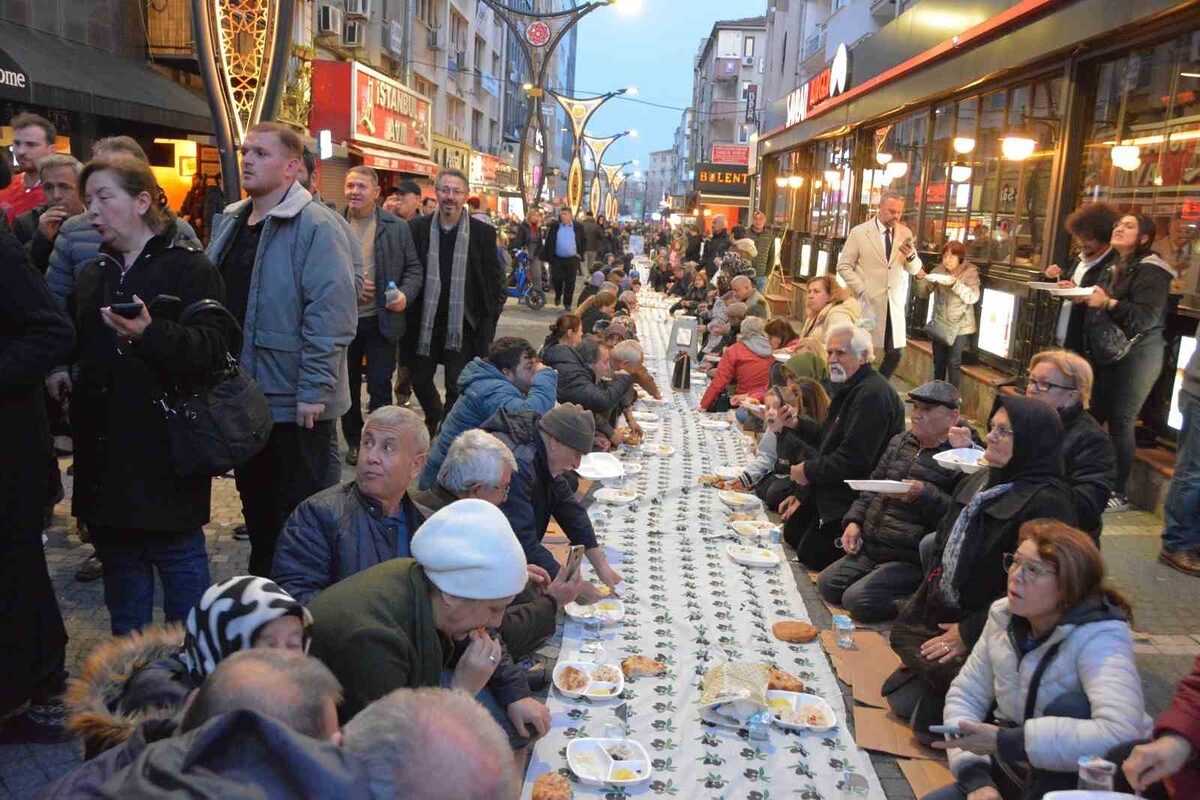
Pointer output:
388, 161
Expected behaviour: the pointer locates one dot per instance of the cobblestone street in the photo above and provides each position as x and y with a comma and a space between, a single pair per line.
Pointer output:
1166, 603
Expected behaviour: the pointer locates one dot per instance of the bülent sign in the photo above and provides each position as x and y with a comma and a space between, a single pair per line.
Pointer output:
826, 84
723, 179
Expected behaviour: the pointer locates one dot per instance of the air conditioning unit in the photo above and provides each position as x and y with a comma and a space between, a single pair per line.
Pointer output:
358, 9
748, 61
354, 34
329, 20
435, 39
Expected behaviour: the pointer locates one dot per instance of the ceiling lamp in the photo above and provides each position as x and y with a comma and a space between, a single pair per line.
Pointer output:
1017, 146
882, 158
795, 181
963, 144
960, 172
781, 181
897, 169
1126, 156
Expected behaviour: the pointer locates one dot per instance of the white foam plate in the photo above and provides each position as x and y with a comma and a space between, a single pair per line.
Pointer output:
714, 424
595, 689
752, 529
937, 277
600, 466
1078, 291
964, 459
645, 416
609, 610
633, 469
783, 357
1043, 286
728, 473
616, 497
794, 701
883, 487
662, 401
661, 450
591, 763
739, 500
750, 556
650, 425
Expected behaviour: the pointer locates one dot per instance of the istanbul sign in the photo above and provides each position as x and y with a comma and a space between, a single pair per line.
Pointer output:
826, 84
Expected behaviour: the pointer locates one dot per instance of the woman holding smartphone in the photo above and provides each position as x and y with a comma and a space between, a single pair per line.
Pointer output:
142, 517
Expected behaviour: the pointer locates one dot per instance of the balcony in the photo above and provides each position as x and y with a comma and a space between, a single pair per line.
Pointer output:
169, 31
883, 11
813, 44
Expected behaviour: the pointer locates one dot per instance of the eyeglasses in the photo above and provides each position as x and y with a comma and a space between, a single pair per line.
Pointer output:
450, 190
1033, 571
1001, 432
1044, 386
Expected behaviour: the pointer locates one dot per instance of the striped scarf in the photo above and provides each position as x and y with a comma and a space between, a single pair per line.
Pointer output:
433, 286
954, 544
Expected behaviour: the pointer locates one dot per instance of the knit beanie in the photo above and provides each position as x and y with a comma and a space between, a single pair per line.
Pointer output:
571, 424
468, 549
597, 279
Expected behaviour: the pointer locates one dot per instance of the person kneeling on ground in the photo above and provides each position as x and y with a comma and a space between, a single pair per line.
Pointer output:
135, 685
432, 744
883, 532
420, 621
479, 466
1051, 679
347, 528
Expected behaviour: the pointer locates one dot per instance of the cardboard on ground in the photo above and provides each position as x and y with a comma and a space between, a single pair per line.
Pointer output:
865, 667
876, 729
925, 776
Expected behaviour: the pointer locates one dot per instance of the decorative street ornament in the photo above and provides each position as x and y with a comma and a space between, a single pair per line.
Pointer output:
538, 34
575, 185
594, 194
610, 172
579, 111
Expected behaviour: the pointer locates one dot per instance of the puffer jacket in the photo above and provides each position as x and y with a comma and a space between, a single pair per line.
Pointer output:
577, 383
748, 365
302, 311
482, 391
336, 533
127, 682
892, 529
831, 316
954, 305
1089, 466
1090, 671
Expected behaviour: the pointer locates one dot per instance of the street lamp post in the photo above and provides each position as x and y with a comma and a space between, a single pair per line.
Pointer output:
580, 111
598, 145
538, 33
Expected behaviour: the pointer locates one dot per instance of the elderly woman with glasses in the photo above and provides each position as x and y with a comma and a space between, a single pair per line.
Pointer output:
1063, 380
1051, 679
940, 624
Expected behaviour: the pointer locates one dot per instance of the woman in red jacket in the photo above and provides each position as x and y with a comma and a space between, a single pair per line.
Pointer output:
1170, 757
746, 363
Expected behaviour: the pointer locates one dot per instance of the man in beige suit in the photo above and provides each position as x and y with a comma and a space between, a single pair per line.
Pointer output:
873, 262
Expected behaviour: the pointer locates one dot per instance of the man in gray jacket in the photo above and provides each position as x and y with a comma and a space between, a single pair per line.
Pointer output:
289, 280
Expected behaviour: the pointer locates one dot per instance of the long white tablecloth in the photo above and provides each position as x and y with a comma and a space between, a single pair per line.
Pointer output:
690, 603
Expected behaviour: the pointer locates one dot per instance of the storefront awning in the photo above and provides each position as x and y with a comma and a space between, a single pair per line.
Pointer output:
386, 160
46, 71
724, 200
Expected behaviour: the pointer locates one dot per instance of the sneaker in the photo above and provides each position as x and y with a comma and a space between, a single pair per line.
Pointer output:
90, 570
1185, 561
352, 456
241, 533
404, 401
1116, 502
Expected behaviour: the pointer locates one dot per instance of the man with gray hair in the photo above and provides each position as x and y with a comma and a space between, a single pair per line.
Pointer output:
432, 744
716, 245
347, 528
37, 227
864, 416
872, 264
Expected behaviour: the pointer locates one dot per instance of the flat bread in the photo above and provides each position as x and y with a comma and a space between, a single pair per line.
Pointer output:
552, 786
641, 666
781, 681
794, 631
573, 679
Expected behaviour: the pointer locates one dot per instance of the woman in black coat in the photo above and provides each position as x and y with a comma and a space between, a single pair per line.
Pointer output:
1132, 294
34, 337
940, 624
141, 515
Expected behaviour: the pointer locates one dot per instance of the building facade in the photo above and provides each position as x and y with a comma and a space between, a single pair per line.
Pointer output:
659, 176
681, 176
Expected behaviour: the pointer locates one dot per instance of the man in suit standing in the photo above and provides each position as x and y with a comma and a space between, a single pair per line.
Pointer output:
564, 243
873, 262
454, 318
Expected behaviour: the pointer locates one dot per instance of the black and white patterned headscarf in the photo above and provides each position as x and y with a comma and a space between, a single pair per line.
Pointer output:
229, 617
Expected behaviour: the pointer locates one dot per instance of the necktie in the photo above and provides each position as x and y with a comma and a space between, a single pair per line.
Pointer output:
887, 244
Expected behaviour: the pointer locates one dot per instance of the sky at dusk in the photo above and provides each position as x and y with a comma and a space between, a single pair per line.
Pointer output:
653, 50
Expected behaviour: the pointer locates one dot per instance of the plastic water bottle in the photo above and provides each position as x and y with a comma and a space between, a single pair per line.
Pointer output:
776, 535
759, 726
844, 628
392, 294
1096, 774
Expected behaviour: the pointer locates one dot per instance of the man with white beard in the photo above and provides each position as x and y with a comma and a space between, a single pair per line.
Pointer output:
865, 414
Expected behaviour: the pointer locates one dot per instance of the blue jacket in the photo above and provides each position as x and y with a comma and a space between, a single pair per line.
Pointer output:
302, 312
482, 391
534, 496
336, 533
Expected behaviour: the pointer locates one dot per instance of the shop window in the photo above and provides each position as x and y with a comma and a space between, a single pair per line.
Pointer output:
983, 240
996, 316
1143, 148
935, 190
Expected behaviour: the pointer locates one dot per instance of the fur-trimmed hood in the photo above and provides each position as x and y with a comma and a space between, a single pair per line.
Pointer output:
125, 682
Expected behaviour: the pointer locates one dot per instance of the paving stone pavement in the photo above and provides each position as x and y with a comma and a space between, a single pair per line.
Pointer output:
1166, 603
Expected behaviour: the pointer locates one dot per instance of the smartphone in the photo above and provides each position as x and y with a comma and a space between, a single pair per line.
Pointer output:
127, 310
946, 730
574, 557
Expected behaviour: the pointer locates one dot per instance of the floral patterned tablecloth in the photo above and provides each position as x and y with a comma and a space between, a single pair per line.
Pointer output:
689, 606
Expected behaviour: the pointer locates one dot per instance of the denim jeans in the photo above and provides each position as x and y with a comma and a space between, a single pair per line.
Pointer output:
381, 363
1182, 508
947, 360
130, 558
1118, 395
867, 589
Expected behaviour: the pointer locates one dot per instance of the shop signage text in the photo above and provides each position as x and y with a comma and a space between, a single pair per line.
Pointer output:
483, 169
826, 84
363, 106
14, 81
724, 179
731, 154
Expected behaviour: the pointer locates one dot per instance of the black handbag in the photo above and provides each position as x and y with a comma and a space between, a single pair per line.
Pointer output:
1105, 341
220, 423
681, 375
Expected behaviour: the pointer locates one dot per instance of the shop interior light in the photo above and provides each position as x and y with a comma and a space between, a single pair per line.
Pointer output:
795, 181
708, 212
1017, 146
782, 181
1126, 156
963, 144
897, 169
1189, 74
882, 158
960, 172
832, 177
527, 86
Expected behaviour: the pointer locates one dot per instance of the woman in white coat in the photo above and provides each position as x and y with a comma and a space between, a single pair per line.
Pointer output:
1051, 679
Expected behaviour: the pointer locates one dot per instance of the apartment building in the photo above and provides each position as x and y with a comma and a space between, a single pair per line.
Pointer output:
659, 176
681, 176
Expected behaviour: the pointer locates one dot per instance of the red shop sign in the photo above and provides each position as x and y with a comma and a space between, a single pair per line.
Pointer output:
731, 154
360, 105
